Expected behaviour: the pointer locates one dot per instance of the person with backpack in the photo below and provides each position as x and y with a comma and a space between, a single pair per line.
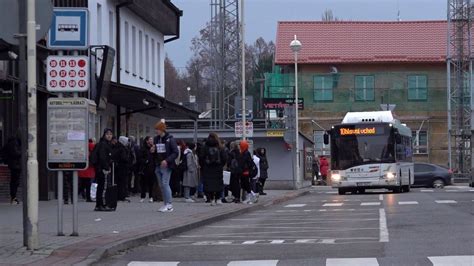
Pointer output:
235, 170
262, 154
12, 151
190, 171
212, 160
86, 176
166, 152
146, 165
249, 170
102, 155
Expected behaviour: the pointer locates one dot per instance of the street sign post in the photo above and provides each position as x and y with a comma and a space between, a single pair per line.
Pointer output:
248, 107
67, 73
239, 129
67, 139
69, 29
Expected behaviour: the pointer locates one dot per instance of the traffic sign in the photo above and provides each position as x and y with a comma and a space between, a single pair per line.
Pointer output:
69, 29
248, 107
239, 129
67, 73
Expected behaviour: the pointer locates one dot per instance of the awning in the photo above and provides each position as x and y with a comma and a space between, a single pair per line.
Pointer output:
137, 100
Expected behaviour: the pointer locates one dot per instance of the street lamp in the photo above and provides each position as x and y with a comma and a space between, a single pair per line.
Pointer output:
189, 93
295, 46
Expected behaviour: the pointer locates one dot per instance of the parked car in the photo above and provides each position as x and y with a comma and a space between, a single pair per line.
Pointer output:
432, 175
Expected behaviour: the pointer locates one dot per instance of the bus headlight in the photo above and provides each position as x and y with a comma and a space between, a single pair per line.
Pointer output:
390, 175
336, 177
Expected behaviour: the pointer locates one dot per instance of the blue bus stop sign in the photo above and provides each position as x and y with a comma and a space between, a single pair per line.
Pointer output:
69, 29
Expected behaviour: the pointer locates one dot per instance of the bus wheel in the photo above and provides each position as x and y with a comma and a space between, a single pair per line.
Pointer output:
341, 191
398, 189
406, 188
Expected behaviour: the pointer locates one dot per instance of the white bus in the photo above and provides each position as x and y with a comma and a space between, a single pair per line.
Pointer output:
370, 150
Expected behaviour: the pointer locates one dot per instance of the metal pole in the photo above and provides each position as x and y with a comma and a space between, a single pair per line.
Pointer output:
296, 103
242, 43
195, 131
75, 190
448, 85
32, 188
60, 203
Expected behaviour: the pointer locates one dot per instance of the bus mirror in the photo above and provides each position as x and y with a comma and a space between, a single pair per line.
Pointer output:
398, 139
326, 139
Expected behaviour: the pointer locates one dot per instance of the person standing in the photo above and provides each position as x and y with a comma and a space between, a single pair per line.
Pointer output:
121, 157
235, 171
246, 162
212, 161
13, 160
262, 154
254, 180
190, 172
134, 176
146, 171
103, 169
86, 176
324, 165
166, 152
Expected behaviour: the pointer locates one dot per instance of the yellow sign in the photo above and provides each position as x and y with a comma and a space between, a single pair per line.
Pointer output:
275, 133
357, 131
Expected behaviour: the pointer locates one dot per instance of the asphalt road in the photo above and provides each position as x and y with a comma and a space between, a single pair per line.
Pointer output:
423, 227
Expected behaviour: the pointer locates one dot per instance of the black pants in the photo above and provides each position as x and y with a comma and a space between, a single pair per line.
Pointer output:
238, 182
147, 181
175, 182
85, 186
100, 178
14, 182
261, 184
213, 196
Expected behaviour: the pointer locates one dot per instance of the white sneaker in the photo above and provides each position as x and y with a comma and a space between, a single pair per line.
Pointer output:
219, 202
150, 200
142, 200
189, 200
166, 208
213, 203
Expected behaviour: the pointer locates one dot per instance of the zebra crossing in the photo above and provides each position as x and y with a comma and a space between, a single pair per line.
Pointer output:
292, 207
434, 261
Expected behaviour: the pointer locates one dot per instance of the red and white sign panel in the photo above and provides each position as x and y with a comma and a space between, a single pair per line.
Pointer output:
67, 73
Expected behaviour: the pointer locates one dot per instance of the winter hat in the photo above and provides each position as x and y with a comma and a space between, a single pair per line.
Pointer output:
161, 126
123, 140
244, 146
107, 130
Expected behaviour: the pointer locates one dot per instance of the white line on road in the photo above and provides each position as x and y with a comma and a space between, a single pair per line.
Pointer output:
446, 201
383, 226
381, 197
407, 202
277, 241
333, 204
370, 204
352, 262
250, 242
153, 263
295, 205
471, 190
427, 190
253, 262
452, 190
331, 192
452, 261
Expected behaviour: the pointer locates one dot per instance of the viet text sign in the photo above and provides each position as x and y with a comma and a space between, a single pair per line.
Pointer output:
281, 103
69, 29
239, 129
67, 73
67, 137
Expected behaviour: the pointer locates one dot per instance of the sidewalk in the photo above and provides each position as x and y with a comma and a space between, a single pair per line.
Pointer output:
104, 233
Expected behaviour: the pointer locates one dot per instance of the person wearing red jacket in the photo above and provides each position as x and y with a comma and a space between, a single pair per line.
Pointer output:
324, 167
86, 177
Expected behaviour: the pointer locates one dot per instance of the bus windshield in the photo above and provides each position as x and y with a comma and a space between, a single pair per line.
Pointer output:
353, 145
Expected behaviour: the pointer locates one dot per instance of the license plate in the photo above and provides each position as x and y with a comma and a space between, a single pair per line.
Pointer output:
363, 184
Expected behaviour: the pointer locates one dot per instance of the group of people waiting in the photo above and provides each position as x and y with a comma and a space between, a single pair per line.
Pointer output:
163, 168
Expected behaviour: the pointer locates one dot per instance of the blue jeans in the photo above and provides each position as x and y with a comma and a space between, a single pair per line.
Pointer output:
164, 175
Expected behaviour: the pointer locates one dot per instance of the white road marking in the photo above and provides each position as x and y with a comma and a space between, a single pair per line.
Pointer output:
253, 262
446, 201
452, 190
427, 190
471, 190
352, 262
250, 242
328, 241
307, 241
333, 204
323, 210
381, 197
277, 242
153, 263
331, 192
295, 205
383, 226
307, 210
452, 261
370, 204
407, 202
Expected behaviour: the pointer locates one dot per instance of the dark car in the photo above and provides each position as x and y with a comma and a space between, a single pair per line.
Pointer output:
431, 175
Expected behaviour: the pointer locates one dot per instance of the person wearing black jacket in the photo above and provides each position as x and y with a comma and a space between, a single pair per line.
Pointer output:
235, 170
146, 166
123, 162
262, 154
12, 152
104, 167
166, 151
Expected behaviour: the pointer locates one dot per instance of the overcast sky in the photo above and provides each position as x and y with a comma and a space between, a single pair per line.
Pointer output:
261, 16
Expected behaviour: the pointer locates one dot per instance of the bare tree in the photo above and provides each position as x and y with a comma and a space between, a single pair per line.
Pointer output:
329, 16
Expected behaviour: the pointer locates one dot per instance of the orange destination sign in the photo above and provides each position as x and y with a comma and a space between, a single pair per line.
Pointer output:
358, 131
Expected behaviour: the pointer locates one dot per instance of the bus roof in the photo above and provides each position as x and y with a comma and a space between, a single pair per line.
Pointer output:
375, 117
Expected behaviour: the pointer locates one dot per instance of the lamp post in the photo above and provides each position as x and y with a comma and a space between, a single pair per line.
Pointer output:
296, 47
189, 94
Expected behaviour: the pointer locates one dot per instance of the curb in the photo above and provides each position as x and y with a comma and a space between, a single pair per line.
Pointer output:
116, 247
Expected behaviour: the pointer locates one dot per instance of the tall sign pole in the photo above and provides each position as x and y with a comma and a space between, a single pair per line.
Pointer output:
32, 163
242, 28
295, 45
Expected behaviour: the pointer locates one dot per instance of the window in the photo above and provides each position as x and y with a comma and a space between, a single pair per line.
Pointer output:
127, 48
364, 88
111, 29
319, 147
153, 67
140, 54
420, 142
417, 88
158, 63
134, 50
99, 24
147, 59
420, 168
323, 88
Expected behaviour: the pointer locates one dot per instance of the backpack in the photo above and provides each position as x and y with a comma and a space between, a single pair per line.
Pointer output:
213, 156
253, 170
234, 166
94, 155
183, 165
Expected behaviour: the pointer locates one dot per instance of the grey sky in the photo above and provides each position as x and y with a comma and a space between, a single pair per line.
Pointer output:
261, 16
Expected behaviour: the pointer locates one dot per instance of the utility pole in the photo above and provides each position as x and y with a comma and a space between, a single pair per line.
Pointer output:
32, 163
244, 111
